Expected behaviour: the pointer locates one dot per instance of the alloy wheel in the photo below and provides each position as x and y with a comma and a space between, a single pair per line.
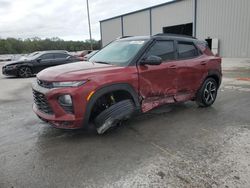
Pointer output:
25, 72
210, 92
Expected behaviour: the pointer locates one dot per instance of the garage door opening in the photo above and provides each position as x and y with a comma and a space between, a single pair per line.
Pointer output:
184, 29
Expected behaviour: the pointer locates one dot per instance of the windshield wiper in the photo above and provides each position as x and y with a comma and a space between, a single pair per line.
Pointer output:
101, 62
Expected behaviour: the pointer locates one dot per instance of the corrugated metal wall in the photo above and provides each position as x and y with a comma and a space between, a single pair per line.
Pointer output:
110, 30
173, 14
227, 20
137, 23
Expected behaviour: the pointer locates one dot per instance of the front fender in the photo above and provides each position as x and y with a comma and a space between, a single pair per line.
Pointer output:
106, 89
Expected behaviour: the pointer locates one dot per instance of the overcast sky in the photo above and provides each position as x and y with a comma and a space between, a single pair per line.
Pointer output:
66, 19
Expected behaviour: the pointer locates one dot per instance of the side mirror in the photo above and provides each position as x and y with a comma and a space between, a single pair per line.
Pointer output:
152, 60
39, 60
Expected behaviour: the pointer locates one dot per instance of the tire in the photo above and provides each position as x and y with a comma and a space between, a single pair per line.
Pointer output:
207, 93
114, 115
24, 72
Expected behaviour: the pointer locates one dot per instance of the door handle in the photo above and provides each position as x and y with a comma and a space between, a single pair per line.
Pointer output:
203, 62
173, 67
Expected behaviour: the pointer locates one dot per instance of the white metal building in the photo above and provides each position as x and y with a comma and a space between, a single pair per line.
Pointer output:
226, 20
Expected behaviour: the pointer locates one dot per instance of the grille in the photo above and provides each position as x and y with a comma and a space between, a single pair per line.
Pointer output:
45, 84
41, 102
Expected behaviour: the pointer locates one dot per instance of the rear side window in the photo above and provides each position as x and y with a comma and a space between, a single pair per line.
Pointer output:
163, 49
61, 56
47, 56
187, 50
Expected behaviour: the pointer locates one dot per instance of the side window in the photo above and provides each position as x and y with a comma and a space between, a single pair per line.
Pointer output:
163, 49
187, 50
61, 56
47, 56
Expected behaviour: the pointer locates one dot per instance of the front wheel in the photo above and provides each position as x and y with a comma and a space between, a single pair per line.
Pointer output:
113, 115
24, 72
207, 93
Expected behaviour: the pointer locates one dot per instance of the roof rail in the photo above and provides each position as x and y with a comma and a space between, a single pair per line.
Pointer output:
122, 37
174, 35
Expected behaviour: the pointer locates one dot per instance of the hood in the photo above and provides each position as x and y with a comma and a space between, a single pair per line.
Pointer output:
15, 62
12, 62
75, 71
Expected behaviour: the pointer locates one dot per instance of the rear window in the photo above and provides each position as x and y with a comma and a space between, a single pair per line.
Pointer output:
47, 56
187, 50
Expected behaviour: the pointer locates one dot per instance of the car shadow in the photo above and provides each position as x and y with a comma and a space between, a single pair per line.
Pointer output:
150, 120
137, 121
16, 77
163, 125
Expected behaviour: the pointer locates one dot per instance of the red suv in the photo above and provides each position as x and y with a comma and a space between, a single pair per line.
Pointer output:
130, 75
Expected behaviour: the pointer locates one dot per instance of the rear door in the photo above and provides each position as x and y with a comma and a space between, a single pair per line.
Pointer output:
191, 76
158, 82
61, 58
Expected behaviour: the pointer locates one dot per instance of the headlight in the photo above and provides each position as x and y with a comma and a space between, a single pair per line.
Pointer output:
9, 67
68, 84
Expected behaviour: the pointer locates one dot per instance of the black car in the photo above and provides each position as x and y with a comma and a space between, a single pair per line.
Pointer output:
35, 62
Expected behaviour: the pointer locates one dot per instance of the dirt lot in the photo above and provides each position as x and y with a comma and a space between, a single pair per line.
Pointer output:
174, 146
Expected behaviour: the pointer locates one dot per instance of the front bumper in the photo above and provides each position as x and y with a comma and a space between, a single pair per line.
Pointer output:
56, 115
61, 123
9, 72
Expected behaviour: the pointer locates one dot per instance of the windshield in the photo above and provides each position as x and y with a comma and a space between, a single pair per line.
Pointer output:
34, 55
31, 56
118, 53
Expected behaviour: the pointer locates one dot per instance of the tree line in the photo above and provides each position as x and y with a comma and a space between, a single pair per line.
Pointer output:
19, 46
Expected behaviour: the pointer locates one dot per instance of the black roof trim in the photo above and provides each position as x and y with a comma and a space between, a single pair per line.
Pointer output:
141, 10
122, 37
54, 51
174, 35
135, 38
161, 37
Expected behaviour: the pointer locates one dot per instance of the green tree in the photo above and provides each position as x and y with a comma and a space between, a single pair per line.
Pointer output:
19, 46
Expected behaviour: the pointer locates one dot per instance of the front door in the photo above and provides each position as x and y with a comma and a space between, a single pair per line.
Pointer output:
157, 83
44, 61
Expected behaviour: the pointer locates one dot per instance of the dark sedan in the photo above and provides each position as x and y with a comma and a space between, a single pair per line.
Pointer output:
35, 62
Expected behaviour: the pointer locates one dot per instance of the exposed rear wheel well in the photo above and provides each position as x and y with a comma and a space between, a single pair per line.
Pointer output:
215, 77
